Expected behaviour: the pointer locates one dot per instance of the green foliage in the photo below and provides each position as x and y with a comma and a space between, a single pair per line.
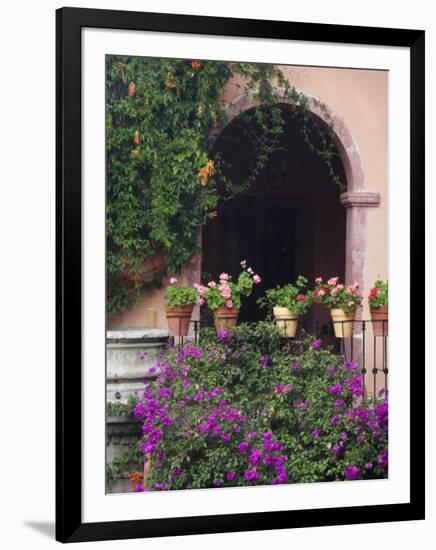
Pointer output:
379, 294
180, 296
164, 178
294, 297
117, 408
129, 460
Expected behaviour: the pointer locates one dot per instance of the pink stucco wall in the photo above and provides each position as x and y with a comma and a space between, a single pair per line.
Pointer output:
360, 99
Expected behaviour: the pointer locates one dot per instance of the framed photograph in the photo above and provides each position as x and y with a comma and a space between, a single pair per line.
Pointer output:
240, 275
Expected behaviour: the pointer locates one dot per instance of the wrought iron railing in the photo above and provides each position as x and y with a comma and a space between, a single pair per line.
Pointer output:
367, 347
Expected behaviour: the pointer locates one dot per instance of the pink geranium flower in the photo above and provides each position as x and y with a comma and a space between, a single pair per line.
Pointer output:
257, 279
332, 281
173, 280
229, 304
224, 277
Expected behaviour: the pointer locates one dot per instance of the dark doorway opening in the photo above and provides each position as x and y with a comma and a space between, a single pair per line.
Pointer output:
289, 223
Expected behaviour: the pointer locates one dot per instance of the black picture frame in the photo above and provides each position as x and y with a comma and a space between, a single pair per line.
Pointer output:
69, 525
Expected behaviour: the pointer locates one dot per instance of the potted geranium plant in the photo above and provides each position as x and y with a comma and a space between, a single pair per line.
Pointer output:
288, 302
180, 303
224, 297
378, 305
342, 301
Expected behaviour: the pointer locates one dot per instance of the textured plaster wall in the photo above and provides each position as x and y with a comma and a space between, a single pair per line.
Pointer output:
360, 99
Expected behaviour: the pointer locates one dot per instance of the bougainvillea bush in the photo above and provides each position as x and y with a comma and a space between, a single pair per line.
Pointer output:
243, 410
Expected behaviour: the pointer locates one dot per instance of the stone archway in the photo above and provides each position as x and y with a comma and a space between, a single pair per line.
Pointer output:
356, 199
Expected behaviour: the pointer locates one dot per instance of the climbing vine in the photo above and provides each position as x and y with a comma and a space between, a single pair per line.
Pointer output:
164, 178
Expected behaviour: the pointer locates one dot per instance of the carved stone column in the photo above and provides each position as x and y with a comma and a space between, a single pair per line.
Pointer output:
356, 203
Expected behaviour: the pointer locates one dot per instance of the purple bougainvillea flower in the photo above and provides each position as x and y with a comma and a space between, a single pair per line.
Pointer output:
243, 446
225, 437
296, 367
139, 411
339, 403
186, 383
165, 393
334, 420
351, 366
218, 482
230, 476
139, 488
334, 390
316, 433
255, 456
330, 370
244, 348
252, 435
383, 458
316, 345
223, 334
251, 475
368, 466
264, 362
336, 450
355, 385
351, 472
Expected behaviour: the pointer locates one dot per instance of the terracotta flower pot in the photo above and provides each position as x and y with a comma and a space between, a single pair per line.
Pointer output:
342, 322
178, 320
225, 318
286, 320
379, 317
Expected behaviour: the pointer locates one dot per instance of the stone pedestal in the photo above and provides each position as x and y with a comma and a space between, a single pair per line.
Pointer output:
130, 354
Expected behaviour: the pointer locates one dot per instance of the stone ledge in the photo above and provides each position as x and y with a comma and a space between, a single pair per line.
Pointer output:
364, 199
136, 334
